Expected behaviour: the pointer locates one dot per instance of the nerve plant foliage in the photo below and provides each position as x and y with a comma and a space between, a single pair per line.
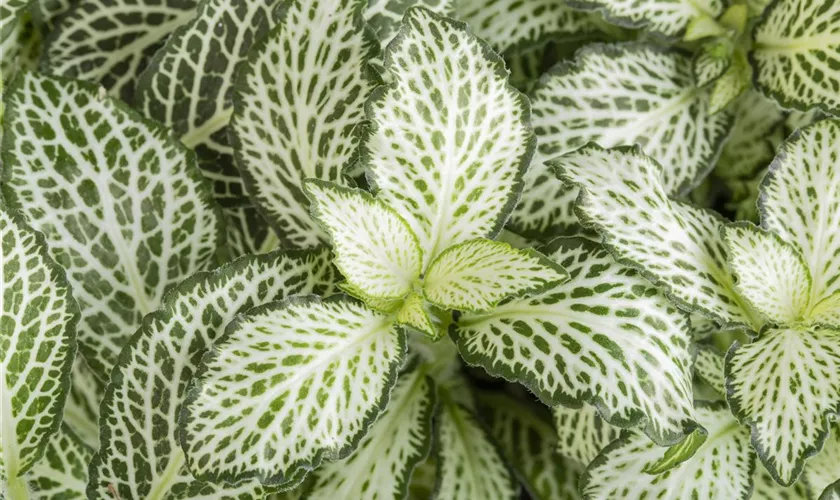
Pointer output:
257, 248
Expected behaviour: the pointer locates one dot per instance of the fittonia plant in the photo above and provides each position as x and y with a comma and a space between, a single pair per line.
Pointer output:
326, 249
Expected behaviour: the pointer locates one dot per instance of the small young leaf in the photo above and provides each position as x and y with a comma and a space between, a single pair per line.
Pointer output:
413, 313
382, 305
605, 322
797, 54
374, 247
139, 454
110, 42
722, 468
297, 103
732, 84
786, 387
709, 367
581, 432
37, 343
62, 473
771, 274
450, 139
266, 402
666, 17
677, 246
123, 206
469, 466
477, 274
382, 465
712, 61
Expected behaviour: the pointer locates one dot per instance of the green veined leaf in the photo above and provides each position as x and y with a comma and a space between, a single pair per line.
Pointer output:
385, 16
123, 206
81, 411
581, 432
297, 103
771, 274
722, 468
766, 488
797, 53
19, 50
477, 274
605, 323
821, 470
755, 136
246, 232
296, 382
401, 438
666, 17
140, 455
732, 84
45, 13
832, 492
374, 247
709, 367
624, 94
448, 144
413, 313
712, 60
469, 464
382, 305
786, 387
62, 473
188, 85
514, 24
9, 12
799, 202
111, 41
677, 246
37, 334
527, 441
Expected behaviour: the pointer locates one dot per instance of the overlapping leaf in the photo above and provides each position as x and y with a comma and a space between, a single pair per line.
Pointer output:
755, 136
667, 17
449, 142
414, 313
62, 472
712, 61
37, 343
111, 41
247, 232
581, 432
123, 206
188, 85
709, 367
291, 384
605, 323
797, 54
374, 247
297, 104
785, 386
140, 455
677, 246
821, 470
477, 274
527, 441
81, 411
385, 16
382, 465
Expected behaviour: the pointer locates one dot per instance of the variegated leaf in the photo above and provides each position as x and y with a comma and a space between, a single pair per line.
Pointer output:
770, 273
766, 488
822, 470
45, 13
712, 60
140, 454
666, 17
527, 441
799, 202
247, 232
832, 492
37, 344
477, 274
62, 473
382, 465
755, 136
123, 206
81, 411
797, 54
469, 464
449, 143
19, 49
732, 84
605, 323
385, 16
709, 367
382, 305
722, 468
9, 12
514, 24
111, 41
786, 386
676, 245
297, 104
414, 314
581, 432
188, 85
627, 94
292, 383
374, 247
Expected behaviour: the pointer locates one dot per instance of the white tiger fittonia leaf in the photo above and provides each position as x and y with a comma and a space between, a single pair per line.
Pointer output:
667, 17
297, 103
188, 85
81, 411
385, 16
111, 41
797, 54
37, 343
140, 455
449, 139
291, 384
527, 441
382, 465
581, 433
62, 472
605, 323
821, 471
122, 205
676, 245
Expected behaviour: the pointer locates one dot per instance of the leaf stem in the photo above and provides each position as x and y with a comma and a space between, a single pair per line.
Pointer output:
16, 489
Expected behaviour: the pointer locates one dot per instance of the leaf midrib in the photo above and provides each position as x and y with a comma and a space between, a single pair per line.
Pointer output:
781, 45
